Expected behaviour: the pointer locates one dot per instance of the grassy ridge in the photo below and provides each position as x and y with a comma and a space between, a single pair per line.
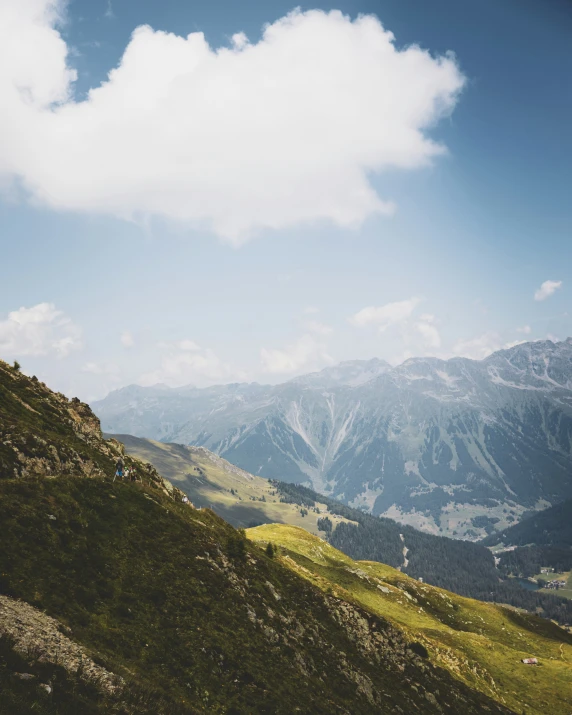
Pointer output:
480, 643
210, 481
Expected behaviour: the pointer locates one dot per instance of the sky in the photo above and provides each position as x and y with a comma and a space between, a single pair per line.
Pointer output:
199, 193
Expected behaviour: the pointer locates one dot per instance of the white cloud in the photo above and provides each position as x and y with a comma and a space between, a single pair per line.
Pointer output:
127, 339
317, 328
98, 379
386, 315
547, 289
483, 346
189, 346
236, 139
109, 11
39, 330
478, 348
426, 327
306, 353
186, 363
526, 329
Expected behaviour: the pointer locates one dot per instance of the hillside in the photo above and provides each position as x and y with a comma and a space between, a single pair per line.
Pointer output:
174, 601
242, 499
120, 598
538, 548
238, 497
458, 446
43, 434
481, 643
550, 527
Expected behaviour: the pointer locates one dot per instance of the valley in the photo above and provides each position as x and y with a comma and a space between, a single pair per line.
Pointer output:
242, 499
450, 447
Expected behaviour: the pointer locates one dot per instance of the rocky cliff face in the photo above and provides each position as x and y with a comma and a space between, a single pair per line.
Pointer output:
432, 442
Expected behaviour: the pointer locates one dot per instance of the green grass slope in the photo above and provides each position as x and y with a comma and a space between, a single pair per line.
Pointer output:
175, 600
246, 500
210, 481
480, 643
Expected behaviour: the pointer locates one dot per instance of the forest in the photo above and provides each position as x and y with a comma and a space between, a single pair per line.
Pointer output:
464, 567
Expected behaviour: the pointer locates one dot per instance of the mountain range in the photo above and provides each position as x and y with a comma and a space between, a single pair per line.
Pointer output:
438, 444
121, 597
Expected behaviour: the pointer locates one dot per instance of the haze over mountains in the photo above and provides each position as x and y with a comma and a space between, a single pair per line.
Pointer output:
436, 443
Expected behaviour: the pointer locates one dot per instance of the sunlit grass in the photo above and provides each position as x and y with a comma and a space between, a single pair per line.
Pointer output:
480, 643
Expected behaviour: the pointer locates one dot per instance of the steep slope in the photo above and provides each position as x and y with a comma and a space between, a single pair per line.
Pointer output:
434, 443
538, 548
481, 644
122, 598
550, 527
43, 434
165, 595
245, 500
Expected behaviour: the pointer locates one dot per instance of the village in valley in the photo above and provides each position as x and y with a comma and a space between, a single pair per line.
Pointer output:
561, 582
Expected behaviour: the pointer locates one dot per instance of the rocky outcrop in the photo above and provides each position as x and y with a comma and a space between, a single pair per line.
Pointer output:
39, 637
44, 434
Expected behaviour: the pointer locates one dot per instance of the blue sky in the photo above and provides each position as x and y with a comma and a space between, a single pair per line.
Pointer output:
264, 212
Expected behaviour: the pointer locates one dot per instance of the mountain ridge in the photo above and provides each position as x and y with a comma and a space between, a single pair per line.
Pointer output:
430, 442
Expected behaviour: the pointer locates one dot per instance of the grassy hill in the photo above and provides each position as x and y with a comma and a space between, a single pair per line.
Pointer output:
480, 643
119, 598
210, 481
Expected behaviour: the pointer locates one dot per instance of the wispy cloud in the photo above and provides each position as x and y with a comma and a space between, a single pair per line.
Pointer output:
187, 363
386, 315
482, 346
306, 353
127, 339
547, 289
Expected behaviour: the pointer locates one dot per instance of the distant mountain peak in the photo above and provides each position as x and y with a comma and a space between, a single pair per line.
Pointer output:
349, 372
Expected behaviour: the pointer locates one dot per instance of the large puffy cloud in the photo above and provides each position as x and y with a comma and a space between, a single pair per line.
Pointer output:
39, 330
266, 135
